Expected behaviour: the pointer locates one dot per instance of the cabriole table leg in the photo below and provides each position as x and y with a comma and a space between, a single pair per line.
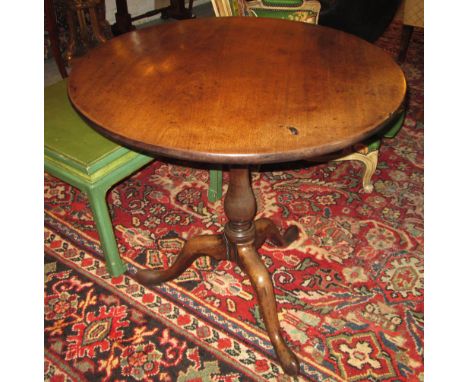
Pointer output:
240, 207
239, 243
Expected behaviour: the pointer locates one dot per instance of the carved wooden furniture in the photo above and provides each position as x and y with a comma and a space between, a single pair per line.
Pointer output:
76, 154
82, 12
294, 91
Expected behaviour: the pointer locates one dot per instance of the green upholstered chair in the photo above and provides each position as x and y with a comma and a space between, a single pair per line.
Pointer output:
305, 11
76, 154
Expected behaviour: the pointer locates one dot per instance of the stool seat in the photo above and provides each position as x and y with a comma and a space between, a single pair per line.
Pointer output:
69, 140
78, 155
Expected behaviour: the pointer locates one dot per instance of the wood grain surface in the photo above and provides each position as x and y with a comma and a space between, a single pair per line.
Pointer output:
237, 90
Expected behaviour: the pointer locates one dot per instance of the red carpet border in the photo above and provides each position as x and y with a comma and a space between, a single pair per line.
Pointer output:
349, 291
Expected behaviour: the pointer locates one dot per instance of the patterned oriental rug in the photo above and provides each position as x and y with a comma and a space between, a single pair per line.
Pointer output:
349, 291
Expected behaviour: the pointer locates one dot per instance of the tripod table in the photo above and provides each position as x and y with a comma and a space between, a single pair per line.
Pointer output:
238, 91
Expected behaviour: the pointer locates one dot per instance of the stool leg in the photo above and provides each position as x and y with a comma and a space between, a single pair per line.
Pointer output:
216, 185
97, 200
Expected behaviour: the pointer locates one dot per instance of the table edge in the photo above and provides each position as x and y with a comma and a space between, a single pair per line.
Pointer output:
242, 159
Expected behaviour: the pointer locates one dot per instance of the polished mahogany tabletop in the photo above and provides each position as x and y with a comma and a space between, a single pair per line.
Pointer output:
237, 90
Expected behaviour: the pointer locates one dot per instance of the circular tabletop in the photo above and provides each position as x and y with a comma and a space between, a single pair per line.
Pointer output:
237, 90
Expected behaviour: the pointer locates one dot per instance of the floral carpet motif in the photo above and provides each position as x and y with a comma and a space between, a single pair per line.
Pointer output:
349, 291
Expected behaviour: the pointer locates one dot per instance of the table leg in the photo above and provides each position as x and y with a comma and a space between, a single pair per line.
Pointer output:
205, 245
239, 243
240, 207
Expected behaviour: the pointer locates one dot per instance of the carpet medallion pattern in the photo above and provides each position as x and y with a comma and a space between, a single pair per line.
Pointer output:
349, 291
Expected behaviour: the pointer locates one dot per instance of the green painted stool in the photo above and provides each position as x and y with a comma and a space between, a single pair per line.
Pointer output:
76, 154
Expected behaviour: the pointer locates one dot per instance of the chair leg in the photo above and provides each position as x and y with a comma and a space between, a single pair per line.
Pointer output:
370, 162
216, 185
97, 200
